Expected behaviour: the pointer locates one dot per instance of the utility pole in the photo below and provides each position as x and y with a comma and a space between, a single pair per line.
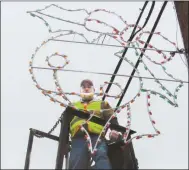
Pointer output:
182, 14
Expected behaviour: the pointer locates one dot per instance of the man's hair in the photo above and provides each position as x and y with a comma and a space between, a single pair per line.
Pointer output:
86, 81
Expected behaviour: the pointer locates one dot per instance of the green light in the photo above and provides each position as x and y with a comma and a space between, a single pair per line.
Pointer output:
32, 15
163, 97
170, 102
153, 92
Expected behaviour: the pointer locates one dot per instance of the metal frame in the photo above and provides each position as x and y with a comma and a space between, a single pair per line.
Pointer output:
34, 132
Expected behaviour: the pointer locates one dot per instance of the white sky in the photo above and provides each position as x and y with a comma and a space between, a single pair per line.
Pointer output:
24, 106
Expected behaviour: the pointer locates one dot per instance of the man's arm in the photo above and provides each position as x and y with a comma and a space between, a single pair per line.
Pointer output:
114, 135
108, 113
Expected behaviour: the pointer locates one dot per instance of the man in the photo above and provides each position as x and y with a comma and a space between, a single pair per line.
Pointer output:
79, 155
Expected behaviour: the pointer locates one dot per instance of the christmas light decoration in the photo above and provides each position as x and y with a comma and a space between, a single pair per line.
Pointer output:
117, 35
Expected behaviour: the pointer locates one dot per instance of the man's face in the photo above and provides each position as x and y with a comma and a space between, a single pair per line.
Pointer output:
87, 88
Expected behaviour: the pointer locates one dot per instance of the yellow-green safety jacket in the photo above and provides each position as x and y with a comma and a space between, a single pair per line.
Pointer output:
91, 126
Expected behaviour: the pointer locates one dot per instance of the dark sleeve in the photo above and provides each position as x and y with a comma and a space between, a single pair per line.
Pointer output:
108, 113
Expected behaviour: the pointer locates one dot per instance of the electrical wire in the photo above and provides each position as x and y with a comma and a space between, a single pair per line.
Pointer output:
141, 55
80, 42
101, 73
125, 50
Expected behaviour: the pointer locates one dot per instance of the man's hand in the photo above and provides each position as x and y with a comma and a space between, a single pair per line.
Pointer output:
114, 135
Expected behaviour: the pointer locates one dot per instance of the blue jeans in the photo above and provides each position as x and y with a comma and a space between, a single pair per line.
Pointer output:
80, 156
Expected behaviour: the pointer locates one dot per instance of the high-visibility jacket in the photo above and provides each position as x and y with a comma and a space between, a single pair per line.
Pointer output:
91, 126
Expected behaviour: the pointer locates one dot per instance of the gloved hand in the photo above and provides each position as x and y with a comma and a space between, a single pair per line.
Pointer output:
114, 135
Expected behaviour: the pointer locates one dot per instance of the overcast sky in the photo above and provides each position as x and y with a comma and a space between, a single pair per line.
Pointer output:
24, 106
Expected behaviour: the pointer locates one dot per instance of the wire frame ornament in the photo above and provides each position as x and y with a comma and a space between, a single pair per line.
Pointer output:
117, 35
